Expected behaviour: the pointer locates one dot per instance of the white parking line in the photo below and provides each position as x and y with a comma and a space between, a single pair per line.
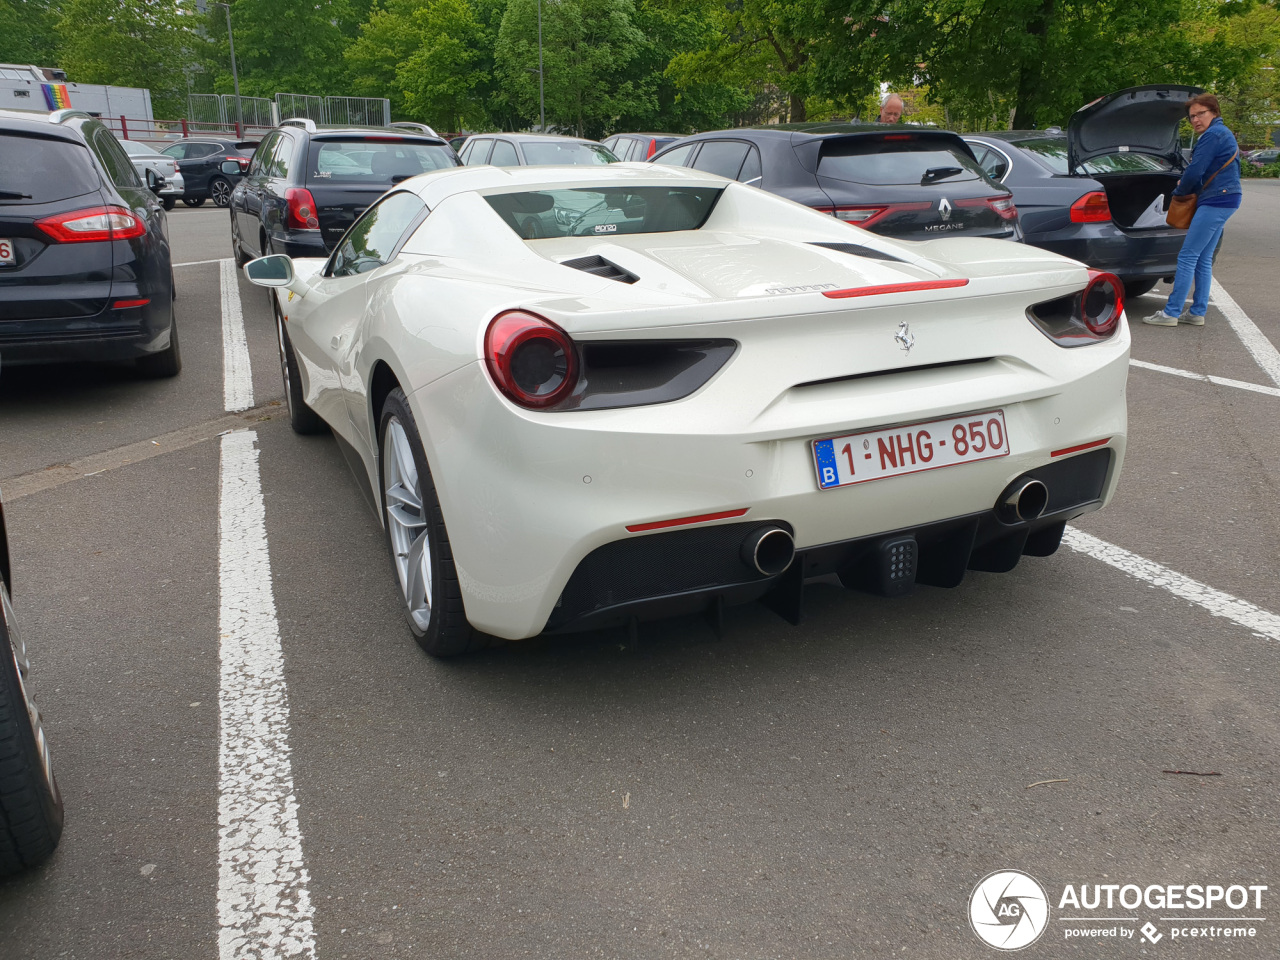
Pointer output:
1262, 349
1261, 622
196, 263
1221, 381
264, 905
237, 376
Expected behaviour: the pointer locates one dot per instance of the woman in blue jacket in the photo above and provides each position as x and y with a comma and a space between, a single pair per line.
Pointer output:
1212, 158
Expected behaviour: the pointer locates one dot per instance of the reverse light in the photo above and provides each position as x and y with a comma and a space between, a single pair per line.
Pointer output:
1004, 206
302, 209
531, 360
1091, 208
858, 216
1090, 316
92, 224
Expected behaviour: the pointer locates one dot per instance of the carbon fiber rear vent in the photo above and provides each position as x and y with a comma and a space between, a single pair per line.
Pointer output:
601, 268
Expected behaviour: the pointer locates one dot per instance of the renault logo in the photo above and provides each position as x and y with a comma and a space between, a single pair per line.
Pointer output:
944, 208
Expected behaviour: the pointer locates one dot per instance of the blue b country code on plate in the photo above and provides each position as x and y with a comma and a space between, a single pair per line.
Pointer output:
912, 448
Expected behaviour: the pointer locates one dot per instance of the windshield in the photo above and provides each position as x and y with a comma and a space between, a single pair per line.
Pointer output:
383, 160
893, 161
544, 153
1053, 154
599, 211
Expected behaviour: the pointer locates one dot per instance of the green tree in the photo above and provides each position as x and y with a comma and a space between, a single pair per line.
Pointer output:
130, 43
29, 32
588, 46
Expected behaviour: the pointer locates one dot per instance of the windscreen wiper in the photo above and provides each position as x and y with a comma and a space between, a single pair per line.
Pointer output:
12, 195
934, 174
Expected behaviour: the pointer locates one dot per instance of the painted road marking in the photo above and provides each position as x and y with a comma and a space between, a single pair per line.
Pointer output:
237, 376
1220, 381
264, 905
1261, 622
1262, 349
196, 263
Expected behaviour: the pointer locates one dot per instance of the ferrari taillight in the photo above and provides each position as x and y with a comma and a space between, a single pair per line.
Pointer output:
531, 360
1091, 208
90, 224
1089, 316
302, 209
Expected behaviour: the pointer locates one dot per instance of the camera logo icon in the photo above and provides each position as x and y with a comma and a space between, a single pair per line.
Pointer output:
1008, 910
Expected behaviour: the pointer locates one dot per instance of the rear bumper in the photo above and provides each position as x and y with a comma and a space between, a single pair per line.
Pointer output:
1129, 254
111, 335
174, 186
699, 570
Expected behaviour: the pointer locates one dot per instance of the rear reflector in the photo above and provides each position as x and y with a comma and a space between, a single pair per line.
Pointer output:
704, 518
895, 288
1079, 447
126, 304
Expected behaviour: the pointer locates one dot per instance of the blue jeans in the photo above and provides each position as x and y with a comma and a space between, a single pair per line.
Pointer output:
1195, 260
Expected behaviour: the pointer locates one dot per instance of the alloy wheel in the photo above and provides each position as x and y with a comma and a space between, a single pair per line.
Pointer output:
220, 190
407, 522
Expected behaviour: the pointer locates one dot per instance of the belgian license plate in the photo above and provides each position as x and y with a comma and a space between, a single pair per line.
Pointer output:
7, 256
895, 451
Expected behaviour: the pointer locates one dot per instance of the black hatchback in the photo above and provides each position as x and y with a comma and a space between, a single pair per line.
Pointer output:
906, 182
85, 271
306, 184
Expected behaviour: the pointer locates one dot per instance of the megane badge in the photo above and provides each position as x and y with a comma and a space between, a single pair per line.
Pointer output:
904, 337
944, 208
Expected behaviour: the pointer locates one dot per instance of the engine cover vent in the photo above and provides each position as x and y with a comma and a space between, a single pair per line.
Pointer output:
858, 250
601, 268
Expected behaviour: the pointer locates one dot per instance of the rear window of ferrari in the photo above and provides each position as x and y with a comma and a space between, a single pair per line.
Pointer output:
594, 212
895, 159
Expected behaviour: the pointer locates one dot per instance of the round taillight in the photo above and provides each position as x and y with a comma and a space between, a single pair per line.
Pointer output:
531, 360
1101, 303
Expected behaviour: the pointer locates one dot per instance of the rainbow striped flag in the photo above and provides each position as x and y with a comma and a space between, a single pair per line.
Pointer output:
55, 95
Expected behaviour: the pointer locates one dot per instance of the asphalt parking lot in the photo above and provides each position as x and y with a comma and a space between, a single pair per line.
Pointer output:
833, 790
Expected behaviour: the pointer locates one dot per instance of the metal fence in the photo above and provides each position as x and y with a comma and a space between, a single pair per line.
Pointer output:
205, 108
300, 105
363, 111
252, 111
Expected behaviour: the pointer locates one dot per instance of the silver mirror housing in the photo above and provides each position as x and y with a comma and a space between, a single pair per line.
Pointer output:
273, 271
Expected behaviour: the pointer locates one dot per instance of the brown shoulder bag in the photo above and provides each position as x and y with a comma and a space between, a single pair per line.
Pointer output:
1182, 209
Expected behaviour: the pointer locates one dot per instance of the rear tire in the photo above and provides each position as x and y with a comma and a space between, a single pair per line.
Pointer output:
417, 538
302, 418
31, 812
220, 191
166, 363
169, 202
1137, 288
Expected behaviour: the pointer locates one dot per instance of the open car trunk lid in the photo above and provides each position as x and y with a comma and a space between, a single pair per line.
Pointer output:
1137, 120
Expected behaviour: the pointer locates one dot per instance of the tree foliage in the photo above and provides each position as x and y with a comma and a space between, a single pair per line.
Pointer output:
29, 32
130, 43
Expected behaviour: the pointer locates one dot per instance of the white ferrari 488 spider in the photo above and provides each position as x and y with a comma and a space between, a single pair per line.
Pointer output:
589, 397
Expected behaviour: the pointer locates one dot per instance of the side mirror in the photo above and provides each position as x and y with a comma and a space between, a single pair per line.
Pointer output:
154, 181
230, 166
273, 271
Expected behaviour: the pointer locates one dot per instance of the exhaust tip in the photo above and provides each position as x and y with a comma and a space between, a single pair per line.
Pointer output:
768, 550
1025, 499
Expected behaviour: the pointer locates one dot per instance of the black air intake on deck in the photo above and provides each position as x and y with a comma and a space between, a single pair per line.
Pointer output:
601, 268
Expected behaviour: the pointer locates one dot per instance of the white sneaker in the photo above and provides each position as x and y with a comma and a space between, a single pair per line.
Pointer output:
1161, 319
1192, 319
